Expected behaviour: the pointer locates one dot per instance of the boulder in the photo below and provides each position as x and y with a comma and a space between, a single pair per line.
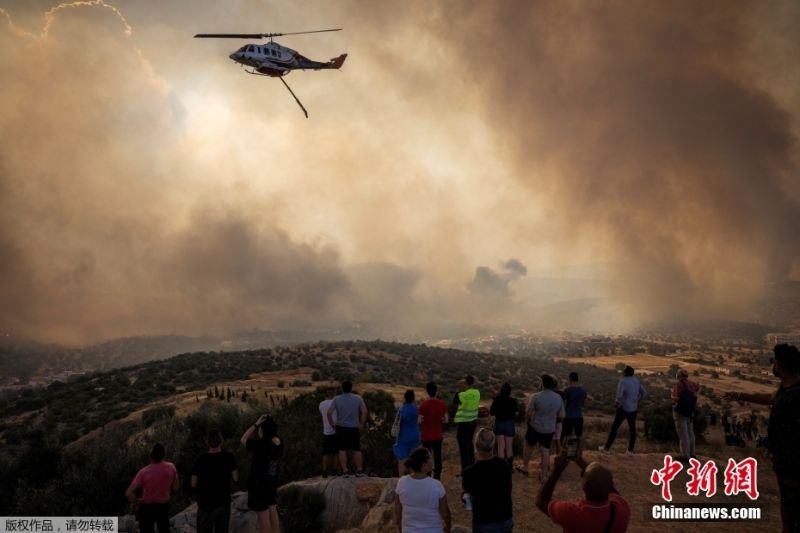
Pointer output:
185, 521
347, 500
243, 520
381, 516
127, 524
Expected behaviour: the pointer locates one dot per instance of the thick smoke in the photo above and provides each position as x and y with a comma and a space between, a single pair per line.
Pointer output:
494, 285
643, 125
147, 186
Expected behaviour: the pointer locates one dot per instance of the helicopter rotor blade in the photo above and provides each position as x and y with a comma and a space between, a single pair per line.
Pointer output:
230, 35
256, 35
296, 99
299, 32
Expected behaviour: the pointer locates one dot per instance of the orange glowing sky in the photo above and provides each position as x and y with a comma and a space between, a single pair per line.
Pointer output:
472, 162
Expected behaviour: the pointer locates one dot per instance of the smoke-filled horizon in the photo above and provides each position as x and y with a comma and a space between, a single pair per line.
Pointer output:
561, 165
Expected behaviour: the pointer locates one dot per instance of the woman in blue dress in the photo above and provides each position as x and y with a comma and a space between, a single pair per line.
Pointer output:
408, 437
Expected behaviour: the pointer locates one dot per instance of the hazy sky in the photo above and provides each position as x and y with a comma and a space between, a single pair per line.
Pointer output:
471, 162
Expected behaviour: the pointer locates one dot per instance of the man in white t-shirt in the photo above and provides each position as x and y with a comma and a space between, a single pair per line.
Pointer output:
543, 410
329, 448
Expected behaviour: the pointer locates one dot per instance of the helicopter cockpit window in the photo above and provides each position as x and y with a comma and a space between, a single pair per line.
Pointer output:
250, 48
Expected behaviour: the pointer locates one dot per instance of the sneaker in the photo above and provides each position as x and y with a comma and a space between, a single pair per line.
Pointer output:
360, 474
324, 474
629, 453
602, 449
347, 474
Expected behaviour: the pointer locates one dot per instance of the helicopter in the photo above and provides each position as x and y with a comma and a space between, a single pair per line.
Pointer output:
274, 60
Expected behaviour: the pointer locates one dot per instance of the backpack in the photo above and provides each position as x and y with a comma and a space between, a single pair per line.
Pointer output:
687, 401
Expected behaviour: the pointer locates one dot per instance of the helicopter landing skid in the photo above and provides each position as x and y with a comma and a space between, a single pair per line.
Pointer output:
296, 99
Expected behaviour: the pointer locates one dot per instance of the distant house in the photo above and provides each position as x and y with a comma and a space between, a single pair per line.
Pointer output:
783, 338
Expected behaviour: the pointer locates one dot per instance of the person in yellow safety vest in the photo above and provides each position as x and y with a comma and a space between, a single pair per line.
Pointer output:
466, 419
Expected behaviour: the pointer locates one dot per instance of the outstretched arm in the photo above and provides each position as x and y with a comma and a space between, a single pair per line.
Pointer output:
398, 513
762, 398
546, 492
444, 511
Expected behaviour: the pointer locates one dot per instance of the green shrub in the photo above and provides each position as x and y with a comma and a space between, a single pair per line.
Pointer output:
160, 412
661, 426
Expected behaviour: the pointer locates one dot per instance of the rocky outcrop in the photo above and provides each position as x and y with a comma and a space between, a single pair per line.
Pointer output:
347, 500
243, 520
352, 505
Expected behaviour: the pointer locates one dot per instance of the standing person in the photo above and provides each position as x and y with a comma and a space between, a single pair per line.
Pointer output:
543, 410
261, 439
347, 414
420, 502
629, 393
504, 408
212, 473
466, 419
432, 417
488, 484
602, 509
556, 444
408, 437
156, 480
329, 448
783, 430
684, 401
575, 397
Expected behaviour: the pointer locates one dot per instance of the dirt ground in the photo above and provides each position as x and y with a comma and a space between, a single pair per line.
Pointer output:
647, 364
632, 479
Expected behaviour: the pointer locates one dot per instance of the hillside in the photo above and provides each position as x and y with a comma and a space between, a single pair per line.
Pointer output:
77, 445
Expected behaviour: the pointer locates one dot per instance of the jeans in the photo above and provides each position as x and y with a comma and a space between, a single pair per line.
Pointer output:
153, 514
213, 519
435, 447
790, 502
500, 527
618, 418
466, 449
684, 425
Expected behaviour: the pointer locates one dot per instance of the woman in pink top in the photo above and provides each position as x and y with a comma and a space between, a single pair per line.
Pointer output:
157, 480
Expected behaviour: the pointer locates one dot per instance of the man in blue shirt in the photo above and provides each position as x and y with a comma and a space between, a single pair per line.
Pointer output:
574, 398
629, 392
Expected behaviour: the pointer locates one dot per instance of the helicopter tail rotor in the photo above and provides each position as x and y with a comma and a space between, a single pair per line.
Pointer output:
337, 62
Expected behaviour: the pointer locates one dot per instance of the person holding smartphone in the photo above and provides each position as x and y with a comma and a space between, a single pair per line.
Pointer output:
602, 509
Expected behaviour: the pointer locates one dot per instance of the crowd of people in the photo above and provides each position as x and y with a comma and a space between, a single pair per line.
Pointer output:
486, 456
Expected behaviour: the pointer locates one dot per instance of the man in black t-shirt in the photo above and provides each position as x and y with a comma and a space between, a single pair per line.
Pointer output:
212, 473
488, 483
783, 432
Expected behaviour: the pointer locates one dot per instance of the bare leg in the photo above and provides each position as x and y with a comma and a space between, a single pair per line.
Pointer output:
273, 519
359, 461
264, 525
509, 446
501, 447
343, 460
545, 452
526, 456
